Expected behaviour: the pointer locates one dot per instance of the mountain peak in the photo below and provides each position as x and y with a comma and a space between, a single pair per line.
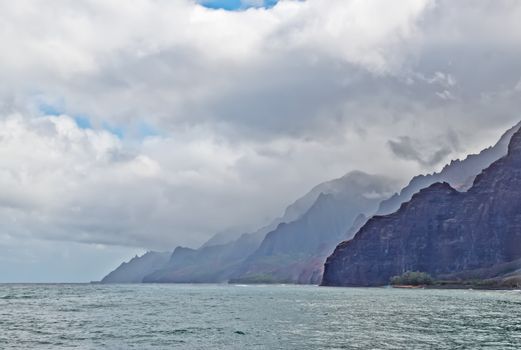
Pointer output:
514, 147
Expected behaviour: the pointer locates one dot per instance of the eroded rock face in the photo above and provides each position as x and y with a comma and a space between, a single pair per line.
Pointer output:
439, 231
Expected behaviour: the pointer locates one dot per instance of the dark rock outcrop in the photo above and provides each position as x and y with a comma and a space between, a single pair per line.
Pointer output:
439, 231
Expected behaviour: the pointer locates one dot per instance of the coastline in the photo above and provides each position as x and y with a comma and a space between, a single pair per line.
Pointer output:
458, 286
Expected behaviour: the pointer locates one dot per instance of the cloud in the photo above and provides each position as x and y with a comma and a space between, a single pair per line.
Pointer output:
194, 120
62, 182
189, 54
409, 149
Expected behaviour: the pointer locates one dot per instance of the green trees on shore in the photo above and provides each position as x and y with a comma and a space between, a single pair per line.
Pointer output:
412, 278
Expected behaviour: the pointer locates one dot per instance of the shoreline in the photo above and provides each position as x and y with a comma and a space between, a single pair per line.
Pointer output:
456, 286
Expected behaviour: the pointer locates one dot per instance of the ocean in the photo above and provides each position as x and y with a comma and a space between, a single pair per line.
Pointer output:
170, 316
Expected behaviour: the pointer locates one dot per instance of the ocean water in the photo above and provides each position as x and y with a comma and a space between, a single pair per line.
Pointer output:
255, 317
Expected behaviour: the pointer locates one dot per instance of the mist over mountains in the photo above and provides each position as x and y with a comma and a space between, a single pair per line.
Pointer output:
317, 220
294, 247
295, 251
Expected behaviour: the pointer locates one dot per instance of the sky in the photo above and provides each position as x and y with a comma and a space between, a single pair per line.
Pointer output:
144, 125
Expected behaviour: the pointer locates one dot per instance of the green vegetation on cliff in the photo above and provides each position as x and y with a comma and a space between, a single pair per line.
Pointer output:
412, 278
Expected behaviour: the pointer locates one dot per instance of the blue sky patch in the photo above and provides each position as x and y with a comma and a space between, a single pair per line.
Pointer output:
146, 130
48, 109
118, 131
83, 122
233, 5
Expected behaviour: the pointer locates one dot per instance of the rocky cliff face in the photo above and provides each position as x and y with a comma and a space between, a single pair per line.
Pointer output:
439, 231
459, 173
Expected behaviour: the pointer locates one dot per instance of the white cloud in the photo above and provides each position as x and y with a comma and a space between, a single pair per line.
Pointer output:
61, 182
250, 108
171, 55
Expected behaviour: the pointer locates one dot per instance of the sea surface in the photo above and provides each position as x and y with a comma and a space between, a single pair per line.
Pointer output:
83, 316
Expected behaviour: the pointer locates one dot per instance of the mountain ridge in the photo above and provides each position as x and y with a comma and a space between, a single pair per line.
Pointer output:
294, 252
257, 257
459, 173
137, 268
440, 231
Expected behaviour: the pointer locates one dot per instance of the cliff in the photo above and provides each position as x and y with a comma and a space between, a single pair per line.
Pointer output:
439, 231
